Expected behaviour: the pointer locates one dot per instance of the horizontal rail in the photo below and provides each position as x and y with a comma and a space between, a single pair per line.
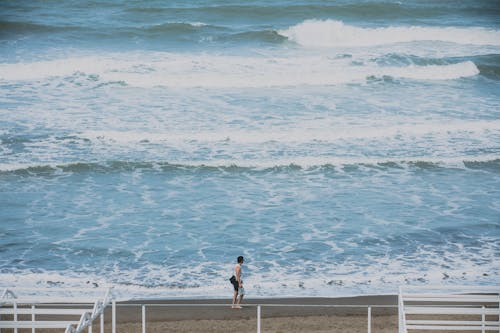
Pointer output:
44, 300
37, 324
39, 311
452, 328
453, 299
360, 306
448, 310
492, 288
456, 295
451, 322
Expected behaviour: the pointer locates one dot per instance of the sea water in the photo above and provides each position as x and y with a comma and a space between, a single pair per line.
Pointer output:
343, 147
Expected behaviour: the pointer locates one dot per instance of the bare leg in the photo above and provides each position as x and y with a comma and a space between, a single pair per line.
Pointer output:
235, 297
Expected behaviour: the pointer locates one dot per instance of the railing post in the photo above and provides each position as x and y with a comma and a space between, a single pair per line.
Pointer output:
399, 311
483, 318
143, 319
401, 314
33, 318
369, 319
113, 317
15, 315
258, 318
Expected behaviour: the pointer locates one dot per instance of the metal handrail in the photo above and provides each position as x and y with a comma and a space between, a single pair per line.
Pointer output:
251, 305
401, 315
466, 295
86, 318
7, 293
258, 307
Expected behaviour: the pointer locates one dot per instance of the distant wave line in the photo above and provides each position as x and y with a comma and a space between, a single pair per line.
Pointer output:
305, 163
307, 33
358, 10
8, 28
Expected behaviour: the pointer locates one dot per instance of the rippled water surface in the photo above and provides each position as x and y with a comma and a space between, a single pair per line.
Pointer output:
342, 147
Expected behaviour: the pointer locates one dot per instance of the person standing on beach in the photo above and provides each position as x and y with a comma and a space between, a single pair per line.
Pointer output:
237, 284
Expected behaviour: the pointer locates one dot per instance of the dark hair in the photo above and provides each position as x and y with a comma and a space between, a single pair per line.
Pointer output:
240, 259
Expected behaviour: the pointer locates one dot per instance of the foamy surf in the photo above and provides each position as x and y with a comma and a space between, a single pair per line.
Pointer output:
331, 33
142, 149
317, 132
383, 275
216, 71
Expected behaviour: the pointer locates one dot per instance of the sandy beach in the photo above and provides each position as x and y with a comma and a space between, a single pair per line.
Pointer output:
334, 315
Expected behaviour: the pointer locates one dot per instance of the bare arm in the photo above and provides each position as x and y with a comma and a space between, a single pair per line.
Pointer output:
238, 274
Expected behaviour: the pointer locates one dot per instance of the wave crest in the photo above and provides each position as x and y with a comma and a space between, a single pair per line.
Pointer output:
484, 162
216, 71
331, 33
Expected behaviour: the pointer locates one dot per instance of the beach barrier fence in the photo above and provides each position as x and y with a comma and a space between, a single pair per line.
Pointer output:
14, 306
56, 309
258, 310
74, 314
449, 308
424, 300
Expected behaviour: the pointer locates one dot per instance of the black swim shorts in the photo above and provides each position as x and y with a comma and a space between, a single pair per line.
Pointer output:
236, 285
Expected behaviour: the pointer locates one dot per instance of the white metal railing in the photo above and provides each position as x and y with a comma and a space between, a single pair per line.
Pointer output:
401, 314
10, 302
258, 308
88, 317
412, 300
52, 305
145, 306
452, 303
7, 294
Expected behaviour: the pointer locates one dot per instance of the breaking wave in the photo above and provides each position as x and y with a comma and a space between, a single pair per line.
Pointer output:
219, 71
486, 161
331, 33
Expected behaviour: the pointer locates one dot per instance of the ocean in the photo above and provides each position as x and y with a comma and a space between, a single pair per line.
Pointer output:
342, 147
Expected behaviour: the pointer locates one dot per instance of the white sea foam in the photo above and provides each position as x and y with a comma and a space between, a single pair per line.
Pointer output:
331, 33
197, 24
318, 133
433, 72
313, 161
223, 71
382, 275
7, 167
26, 71
450, 143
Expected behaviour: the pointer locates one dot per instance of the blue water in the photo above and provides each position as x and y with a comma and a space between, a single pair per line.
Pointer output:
342, 147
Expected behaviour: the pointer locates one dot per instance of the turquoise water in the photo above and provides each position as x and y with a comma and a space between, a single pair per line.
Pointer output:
342, 147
